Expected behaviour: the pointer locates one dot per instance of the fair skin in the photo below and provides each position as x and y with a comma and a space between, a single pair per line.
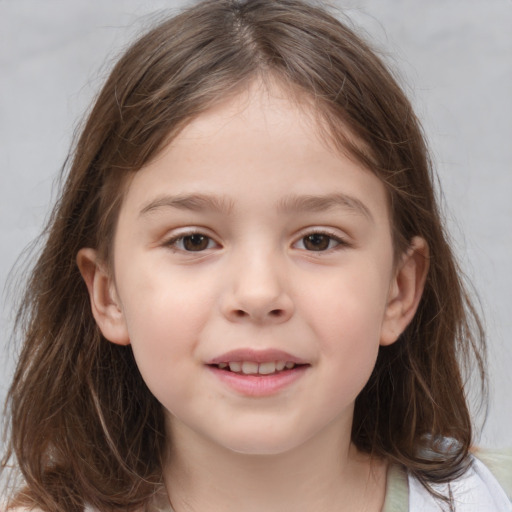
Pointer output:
248, 233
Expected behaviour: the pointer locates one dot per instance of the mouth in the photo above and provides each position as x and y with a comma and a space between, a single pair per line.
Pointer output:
255, 368
258, 373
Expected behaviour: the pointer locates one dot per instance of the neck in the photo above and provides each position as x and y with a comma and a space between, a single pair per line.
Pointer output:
325, 474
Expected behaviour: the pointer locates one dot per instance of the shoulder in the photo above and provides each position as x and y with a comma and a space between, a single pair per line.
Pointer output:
500, 465
478, 489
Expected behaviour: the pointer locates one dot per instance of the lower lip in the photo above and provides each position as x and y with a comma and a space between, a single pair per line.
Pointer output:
259, 385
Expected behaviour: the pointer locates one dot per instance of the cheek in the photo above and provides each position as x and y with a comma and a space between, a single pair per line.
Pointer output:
154, 299
346, 316
164, 315
349, 307
163, 335
350, 346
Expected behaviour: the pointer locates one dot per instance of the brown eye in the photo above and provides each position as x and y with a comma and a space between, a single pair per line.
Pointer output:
317, 242
196, 242
191, 242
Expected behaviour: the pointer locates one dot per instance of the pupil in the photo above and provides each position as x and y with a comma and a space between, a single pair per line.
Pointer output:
316, 242
195, 242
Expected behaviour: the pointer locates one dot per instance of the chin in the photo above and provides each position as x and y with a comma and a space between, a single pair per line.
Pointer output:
262, 444
247, 436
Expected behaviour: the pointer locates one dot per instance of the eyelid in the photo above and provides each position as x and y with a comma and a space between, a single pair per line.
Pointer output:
342, 240
172, 239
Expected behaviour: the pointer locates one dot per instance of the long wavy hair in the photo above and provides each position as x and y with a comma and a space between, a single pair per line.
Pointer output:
83, 427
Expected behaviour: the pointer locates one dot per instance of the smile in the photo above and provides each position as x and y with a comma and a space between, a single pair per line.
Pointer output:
254, 368
257, 373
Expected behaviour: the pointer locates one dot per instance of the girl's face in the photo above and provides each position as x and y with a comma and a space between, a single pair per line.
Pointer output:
254, 278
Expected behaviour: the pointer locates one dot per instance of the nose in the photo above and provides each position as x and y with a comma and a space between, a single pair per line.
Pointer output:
258, 291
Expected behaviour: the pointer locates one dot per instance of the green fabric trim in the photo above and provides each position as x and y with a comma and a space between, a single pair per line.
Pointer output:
397, 491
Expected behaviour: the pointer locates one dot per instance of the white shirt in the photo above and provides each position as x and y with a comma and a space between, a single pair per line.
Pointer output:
475, 491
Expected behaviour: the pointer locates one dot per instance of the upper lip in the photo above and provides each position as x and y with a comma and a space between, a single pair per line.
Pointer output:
257, 356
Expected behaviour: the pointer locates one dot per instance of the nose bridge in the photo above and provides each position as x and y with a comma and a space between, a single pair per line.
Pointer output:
258, 287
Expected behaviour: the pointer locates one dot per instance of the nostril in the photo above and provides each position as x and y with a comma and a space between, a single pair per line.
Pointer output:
277, 313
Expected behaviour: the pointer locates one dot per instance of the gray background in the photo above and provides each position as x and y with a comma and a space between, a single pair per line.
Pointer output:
455, 60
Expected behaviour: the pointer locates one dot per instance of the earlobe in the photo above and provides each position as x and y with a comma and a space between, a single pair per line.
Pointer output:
104, 301
405, 291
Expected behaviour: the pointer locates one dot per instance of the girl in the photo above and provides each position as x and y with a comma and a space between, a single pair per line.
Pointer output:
246, 300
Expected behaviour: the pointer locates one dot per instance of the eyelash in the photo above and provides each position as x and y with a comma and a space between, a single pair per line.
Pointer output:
339, 241
172, 243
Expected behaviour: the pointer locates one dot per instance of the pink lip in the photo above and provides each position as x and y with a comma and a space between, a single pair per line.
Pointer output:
256, 356
258, 385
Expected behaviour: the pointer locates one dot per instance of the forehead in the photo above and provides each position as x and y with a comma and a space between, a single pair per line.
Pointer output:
251, 143
268, 102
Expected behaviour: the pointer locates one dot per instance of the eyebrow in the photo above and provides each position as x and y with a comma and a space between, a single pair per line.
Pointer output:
313, 203
192, 202
289, 204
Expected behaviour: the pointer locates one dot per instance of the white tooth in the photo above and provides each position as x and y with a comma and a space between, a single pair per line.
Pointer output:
280, 365
267, 368
289, 365
235, 367
222, 365
248, 367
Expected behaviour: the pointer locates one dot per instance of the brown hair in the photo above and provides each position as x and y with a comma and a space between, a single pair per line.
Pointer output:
84, 428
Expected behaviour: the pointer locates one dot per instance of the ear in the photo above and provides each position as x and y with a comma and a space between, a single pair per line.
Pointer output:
405, 290
105, 304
